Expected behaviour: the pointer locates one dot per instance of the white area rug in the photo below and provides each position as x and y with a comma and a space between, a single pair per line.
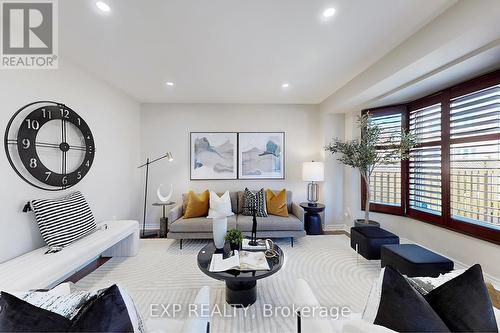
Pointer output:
164, 274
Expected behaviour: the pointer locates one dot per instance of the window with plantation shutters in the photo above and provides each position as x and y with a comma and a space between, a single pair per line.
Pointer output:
424, 185
385, 181
475, 157
452, 177
476, 114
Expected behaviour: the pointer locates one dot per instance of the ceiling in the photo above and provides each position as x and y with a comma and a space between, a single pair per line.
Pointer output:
235, 51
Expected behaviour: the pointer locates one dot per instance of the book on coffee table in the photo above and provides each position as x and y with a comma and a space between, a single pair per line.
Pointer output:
261, 245
241, 260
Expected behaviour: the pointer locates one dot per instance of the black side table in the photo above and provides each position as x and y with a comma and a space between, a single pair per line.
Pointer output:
163, 220
312, 219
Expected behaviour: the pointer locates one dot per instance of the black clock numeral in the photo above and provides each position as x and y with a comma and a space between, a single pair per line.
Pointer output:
33, 124
48, 173
64, 180
79, 175
79, 121
33, 163
87, 164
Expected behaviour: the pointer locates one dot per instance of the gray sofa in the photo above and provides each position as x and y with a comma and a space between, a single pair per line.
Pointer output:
271, 226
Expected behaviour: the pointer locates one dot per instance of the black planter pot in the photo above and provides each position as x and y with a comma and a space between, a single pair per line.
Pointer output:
361, 223
235, 246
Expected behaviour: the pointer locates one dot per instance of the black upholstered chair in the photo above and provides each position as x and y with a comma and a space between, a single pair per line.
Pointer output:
368, 240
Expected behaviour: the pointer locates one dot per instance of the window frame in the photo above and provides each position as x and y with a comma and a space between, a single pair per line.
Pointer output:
445, 220
415, 213
378, 207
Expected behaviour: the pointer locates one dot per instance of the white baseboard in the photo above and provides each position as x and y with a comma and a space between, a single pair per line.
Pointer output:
336, 227
458, 264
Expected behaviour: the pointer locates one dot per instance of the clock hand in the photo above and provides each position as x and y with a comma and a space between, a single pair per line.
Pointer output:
63, 129
78, 148
63, 163
46, 145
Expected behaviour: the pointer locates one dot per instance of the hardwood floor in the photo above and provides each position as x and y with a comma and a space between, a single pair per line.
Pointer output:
87, 270
336, 232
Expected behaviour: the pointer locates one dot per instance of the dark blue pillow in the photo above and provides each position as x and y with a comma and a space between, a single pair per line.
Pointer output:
403, 309
17, 315
106, 313
463, 303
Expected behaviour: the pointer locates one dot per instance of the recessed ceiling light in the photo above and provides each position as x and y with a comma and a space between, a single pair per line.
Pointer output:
170, 83
103, 6
285, 85
329, 12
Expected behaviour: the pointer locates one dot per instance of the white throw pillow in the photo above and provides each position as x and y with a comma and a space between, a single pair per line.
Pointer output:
219, 206
371, 308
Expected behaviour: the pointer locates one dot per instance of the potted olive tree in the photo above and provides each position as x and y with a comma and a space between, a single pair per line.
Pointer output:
363, 154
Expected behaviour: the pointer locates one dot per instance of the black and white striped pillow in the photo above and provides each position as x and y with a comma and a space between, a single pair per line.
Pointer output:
63, 221
255, 200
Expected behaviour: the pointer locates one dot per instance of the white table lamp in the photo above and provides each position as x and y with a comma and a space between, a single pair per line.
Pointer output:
313, 172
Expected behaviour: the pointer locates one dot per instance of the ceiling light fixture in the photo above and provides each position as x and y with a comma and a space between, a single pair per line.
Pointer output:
329, 12
103, 6
170, 83
285, 85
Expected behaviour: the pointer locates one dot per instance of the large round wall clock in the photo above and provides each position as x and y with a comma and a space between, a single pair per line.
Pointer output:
49, 145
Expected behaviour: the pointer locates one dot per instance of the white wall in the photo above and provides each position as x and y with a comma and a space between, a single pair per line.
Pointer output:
166, 127
332, 126
462, 248
468, 30
112, 184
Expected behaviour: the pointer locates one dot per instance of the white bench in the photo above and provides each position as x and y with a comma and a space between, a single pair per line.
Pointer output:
37, 270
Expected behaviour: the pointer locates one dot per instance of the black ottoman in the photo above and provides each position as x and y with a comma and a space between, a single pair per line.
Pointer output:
414, 260
370, 239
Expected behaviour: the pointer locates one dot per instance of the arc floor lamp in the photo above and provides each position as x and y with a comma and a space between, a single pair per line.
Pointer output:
170, 158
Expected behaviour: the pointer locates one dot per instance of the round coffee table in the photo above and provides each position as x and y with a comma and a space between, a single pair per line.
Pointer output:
241, 287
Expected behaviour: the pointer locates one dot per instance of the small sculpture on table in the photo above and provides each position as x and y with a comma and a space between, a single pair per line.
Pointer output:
253, 237
164, 203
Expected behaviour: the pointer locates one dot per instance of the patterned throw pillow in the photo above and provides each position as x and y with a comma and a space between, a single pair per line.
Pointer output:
63, 221
65, 305
425, 284
255, 200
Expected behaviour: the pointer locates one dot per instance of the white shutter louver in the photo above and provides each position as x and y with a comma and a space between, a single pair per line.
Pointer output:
425, 161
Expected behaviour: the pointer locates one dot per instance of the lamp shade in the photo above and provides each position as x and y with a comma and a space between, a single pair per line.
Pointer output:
313, 171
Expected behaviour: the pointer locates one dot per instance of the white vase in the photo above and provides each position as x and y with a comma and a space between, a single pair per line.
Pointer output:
219, 229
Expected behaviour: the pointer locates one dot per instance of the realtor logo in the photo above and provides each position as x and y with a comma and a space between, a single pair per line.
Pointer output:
29, 34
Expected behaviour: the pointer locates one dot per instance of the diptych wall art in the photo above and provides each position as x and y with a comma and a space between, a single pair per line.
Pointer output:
261, 155
213, 155
231, 155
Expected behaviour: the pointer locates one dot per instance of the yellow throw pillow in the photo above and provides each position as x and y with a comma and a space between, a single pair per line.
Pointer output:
494, 295
197, 204
276, 203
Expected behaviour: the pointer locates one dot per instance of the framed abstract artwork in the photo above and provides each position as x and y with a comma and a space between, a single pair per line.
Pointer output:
213, 155
261, 155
